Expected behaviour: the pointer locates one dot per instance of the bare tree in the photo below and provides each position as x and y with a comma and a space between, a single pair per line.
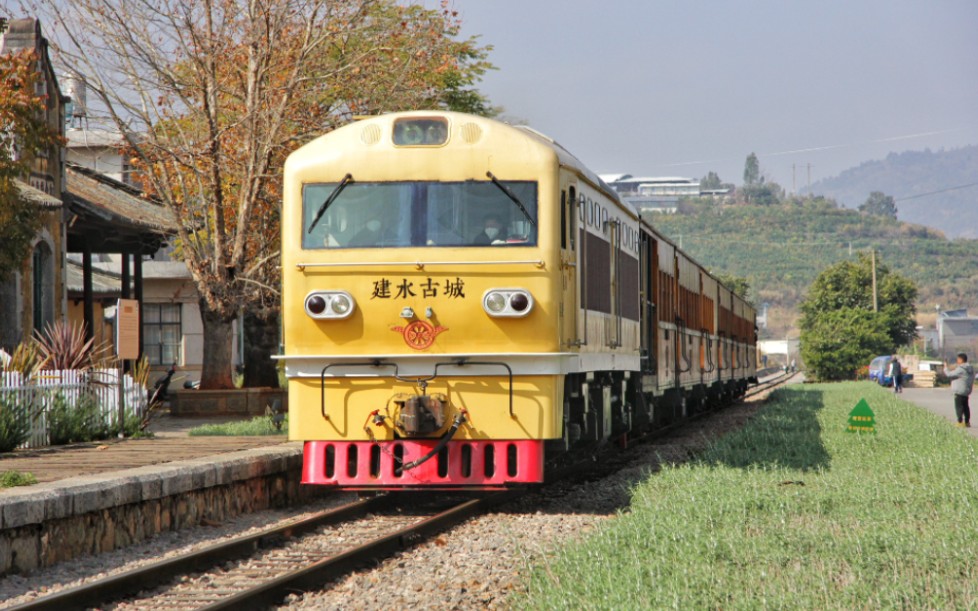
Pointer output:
211, 96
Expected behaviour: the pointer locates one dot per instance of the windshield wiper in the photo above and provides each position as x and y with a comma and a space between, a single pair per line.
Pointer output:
329, 200
512, 196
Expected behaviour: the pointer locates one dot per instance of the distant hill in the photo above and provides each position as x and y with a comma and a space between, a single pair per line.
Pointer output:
911, 175
781, 248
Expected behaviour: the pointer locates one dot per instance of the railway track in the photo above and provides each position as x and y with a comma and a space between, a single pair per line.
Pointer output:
263, 569
260, 570
784, 378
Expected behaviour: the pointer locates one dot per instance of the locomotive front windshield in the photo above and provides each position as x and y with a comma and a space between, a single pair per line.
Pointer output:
432, 214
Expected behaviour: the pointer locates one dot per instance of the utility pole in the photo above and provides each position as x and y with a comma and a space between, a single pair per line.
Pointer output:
793, 190
809, 178
876, 303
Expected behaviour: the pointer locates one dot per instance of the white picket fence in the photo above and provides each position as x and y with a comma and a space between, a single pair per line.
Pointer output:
38, 394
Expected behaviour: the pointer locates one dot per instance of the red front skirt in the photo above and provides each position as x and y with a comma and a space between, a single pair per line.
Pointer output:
460, 464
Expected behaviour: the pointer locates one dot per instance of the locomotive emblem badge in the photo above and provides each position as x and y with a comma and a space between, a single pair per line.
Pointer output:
419, 334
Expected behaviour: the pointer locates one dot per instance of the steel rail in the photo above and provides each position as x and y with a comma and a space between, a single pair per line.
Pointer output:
759, 388
315, 576
97, 593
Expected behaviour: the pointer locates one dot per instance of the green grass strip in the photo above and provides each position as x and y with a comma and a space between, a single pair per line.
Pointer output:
9, 479
259, 425
791, 512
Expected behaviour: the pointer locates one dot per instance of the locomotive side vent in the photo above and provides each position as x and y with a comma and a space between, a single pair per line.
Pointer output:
490, 461
443, 462
512, 459
466, 460
351, 461
398, 460
330, 461
471, 133
370, 135
375, 461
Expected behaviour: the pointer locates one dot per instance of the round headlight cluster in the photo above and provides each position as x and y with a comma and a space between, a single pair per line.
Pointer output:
510, 303
495, 303
329, 304
316, 304
341, 304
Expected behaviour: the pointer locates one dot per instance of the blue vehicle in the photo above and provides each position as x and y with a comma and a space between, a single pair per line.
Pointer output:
879, 370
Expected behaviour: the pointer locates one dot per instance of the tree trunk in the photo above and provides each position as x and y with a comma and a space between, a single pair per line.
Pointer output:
218, 350
261, 337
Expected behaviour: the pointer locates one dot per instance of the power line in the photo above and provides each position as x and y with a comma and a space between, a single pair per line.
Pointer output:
842, 243
813, 149
903, 199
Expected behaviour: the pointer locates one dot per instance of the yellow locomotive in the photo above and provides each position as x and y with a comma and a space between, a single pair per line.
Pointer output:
460, 295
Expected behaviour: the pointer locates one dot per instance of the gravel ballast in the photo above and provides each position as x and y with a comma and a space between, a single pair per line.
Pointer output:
476, 565
480, 564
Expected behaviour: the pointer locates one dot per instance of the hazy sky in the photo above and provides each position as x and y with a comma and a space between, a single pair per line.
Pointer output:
681, 87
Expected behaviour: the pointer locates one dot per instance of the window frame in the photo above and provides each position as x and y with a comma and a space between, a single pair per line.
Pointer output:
419, 186
154, 352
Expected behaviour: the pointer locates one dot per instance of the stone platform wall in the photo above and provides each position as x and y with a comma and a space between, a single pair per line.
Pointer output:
50, 523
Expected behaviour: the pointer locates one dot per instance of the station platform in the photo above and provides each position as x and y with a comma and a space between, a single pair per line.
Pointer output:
100, 496
170, 442
941, 402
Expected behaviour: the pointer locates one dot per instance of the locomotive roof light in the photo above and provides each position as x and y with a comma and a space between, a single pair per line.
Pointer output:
507, 303
421, 131
330, 305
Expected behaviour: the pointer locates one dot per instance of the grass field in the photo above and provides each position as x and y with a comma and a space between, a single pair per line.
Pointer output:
259, 425
792, 512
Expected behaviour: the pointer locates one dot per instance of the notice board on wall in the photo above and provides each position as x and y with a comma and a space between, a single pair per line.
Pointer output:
127, 329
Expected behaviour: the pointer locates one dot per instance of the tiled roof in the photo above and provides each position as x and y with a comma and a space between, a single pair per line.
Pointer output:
30, 194
102, 283
114, 201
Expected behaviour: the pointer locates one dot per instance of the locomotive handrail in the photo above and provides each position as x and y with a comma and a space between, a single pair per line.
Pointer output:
464, 362
468, 355
709, 351
420, 264
681, 335
721, 336
322, 379
460, 362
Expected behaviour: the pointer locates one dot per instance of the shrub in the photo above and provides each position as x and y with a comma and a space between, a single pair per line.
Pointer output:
9, 479
81, 421
14, 424
63, 345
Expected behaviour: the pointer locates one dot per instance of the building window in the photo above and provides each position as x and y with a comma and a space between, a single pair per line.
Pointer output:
162, 331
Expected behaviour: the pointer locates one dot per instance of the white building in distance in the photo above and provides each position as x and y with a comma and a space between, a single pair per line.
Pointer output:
657, 193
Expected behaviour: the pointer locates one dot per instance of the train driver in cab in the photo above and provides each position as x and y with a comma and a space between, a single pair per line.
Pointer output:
382, 227
492, 232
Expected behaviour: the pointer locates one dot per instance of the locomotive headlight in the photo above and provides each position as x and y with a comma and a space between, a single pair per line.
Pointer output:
325, 305
495, 302
315, 304
341, 304
519, 301
510, 303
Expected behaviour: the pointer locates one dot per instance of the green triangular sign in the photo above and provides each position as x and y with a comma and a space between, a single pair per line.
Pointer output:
862, 419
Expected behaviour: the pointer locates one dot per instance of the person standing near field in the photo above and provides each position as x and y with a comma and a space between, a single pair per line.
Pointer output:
896, 372
962, 381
